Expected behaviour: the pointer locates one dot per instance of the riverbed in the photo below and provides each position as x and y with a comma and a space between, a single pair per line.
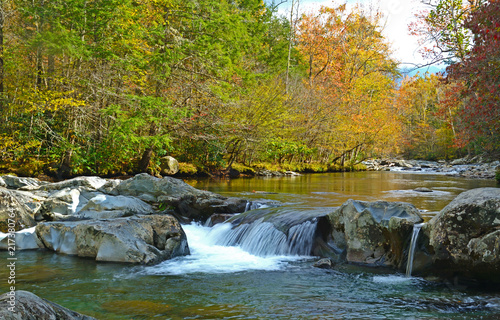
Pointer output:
220, 282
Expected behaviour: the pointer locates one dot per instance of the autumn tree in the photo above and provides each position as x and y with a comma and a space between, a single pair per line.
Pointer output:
479, 118
442, 33
350, 70
427, 109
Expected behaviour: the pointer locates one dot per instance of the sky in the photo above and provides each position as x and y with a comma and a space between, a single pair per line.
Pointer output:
397, 15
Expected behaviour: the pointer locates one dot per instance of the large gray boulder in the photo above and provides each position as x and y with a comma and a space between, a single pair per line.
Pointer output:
13, 214
138, 239
465, 236
177, 195
24, 305
374, 232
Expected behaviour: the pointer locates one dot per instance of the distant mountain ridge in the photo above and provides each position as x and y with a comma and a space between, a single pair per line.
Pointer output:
410, 72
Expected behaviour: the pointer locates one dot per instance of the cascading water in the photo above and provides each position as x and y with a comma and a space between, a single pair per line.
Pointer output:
247, 206
413, 244
264, 239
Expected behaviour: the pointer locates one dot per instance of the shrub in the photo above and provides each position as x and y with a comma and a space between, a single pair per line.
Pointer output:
187, 169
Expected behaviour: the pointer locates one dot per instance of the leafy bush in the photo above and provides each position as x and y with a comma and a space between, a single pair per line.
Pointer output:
187, 169
243, 169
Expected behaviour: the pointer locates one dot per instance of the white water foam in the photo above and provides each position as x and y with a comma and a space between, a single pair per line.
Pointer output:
207, 257
392, 279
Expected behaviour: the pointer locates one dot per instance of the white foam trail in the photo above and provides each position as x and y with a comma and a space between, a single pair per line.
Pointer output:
206, 257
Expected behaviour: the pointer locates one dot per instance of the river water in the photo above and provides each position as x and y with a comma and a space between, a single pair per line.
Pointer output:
227, 282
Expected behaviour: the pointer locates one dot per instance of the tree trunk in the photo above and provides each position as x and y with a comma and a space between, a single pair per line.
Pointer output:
145, 160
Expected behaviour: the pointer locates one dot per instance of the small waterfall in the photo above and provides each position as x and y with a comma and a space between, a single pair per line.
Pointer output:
262, 238
248, 206
413, 244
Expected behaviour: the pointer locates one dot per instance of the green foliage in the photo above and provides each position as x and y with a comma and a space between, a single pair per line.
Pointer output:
187, 169
243, 168
109, 87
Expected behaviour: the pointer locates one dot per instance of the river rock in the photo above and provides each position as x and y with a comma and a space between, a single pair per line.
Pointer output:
422, 189
138, 239
181, 197
25, 239
12, 210
91, 183
33, 201
94, 197
29, 306
374, 232
465, 236
103, 206
13, 182
60, 203
169, 165
324, 263
217, 218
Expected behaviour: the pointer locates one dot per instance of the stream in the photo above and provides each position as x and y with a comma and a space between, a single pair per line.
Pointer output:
220, 280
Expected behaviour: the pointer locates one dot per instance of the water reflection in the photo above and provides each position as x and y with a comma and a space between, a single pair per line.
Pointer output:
333, 189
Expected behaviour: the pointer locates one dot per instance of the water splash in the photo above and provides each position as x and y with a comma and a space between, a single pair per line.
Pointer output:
207, 257
413, 244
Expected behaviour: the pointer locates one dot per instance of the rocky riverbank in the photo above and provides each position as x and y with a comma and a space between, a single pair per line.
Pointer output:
134, 220
474, 168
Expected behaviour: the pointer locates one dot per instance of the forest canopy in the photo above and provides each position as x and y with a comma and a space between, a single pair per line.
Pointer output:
111, 86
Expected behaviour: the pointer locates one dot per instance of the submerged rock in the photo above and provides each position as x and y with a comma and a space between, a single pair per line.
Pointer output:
423, 189
138, 239
465, 236
29, 306
374, 232
324, 263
